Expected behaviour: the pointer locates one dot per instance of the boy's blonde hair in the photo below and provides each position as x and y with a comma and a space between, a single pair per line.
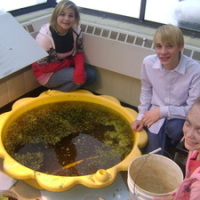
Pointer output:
169, 34
59, 9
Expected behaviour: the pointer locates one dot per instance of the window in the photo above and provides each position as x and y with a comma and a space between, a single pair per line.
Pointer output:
184, 13
9, 5
162, 11
130, 8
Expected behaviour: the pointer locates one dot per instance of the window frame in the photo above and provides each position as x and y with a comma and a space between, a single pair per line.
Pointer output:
21, 11
140, 21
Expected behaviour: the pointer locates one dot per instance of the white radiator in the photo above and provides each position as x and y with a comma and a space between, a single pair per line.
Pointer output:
115, 50
121, 51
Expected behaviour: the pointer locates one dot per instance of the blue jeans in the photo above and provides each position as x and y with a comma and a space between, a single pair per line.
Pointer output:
169, 135
62, 80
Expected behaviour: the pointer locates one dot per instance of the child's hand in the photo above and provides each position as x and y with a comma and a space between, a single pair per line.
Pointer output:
150, 117
137, 125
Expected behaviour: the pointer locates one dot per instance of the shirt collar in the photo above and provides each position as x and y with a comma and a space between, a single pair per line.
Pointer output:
180, 67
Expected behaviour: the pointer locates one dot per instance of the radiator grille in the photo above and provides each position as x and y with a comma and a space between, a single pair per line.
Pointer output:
131, 38
113, 34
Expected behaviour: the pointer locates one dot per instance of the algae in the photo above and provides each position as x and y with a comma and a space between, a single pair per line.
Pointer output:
4, 198
47, 127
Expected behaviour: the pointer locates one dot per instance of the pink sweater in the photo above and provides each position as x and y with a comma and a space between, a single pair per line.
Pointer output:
189, 189
44, 68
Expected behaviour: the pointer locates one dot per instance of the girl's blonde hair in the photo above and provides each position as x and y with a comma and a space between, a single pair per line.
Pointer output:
169, 34
59, 9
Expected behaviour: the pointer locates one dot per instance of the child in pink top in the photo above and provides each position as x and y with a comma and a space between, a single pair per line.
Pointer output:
63, 69
189, 189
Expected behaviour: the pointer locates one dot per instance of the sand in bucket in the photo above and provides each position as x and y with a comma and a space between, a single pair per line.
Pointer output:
152, 176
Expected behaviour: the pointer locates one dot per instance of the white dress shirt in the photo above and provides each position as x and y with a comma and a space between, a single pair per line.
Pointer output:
174, 91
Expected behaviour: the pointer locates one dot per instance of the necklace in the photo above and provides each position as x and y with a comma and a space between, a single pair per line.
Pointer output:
61, 34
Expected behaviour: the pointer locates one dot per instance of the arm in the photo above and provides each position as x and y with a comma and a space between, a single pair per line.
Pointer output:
190, 192
145, 99
190, 91
52, 67
146, 93
50, 64
188, 189
195, 192
191, 184
79, 75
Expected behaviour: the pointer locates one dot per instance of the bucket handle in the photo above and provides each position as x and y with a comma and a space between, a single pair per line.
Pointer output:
152, 152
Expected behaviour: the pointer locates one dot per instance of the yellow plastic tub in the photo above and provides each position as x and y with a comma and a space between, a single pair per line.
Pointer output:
101, 178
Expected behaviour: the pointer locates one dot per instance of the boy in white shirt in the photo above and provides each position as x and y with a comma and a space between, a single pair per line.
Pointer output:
170, 85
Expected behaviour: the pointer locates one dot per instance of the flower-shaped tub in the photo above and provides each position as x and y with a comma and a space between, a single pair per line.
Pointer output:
101, 178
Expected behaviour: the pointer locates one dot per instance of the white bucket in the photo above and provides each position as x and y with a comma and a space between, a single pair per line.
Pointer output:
152, 176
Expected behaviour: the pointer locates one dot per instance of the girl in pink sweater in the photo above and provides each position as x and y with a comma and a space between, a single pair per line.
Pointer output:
63, 69
189, 189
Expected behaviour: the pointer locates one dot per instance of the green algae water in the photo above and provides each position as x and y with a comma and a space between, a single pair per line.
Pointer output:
69, 138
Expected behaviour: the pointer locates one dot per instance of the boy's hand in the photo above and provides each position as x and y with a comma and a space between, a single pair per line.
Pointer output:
137, 125
150, 117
